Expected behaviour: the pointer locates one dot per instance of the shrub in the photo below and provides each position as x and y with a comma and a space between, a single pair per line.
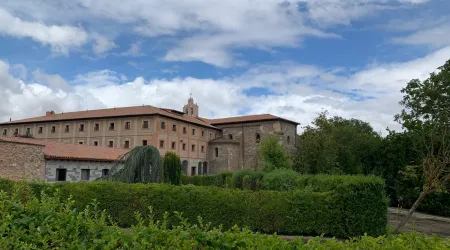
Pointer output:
280, 179
253, 178
273, 155
172, 168
218, 180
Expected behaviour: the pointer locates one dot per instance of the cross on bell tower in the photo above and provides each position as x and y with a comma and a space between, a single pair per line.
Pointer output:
191, 108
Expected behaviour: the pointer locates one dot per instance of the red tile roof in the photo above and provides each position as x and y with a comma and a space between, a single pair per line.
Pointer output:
65, 151
247, 118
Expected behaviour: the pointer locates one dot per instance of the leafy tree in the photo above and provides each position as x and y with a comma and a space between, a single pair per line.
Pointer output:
426, 115
273, 154
338, 145
172, 168
143, 164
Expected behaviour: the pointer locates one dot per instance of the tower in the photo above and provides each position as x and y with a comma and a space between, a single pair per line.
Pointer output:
191, 108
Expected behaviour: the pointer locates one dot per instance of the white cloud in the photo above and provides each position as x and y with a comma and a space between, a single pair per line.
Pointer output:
435, 36
102, 44
134, 50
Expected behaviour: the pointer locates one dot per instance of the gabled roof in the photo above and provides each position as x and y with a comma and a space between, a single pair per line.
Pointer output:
115, 112
65, 151
248, 118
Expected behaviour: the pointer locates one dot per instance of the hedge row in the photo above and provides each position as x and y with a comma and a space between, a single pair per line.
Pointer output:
44, 223
218, 180
344, 212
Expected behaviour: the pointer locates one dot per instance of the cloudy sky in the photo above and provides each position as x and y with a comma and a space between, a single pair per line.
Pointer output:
289, 58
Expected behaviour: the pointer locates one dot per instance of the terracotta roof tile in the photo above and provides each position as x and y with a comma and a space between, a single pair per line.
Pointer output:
65, 151
247, 118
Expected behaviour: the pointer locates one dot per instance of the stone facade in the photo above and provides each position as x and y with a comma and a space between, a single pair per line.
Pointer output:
21, 161
73, 170
224, 154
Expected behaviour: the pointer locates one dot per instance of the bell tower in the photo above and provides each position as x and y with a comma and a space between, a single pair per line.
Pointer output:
191, 108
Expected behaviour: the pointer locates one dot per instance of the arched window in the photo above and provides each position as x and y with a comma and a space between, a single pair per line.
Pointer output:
288, 140
185, 166
199, 168
258, 138
192, 111
230, 136
216, 151
205, 168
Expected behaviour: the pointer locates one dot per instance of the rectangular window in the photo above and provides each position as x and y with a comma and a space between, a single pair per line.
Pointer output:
174, 127
61, 174
16, 131
184, 130
184, 146
127, 125
203, 133
163, 125
105, 172
53, 130
28, 131
81, 127
111, 126
193, 131
144, 124
40, 130
161, 144
210, 135
173, 145
97, 127
5, 131
110, 144
203, 149
126, 144
95, 143
193, 171
80, 142
85, 173
193, 148
144, 143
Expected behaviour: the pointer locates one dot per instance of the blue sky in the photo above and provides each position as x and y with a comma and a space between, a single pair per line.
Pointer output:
289, 58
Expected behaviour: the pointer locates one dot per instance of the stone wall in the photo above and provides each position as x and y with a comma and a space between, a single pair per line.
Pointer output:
21, 161
228, 157
74, 168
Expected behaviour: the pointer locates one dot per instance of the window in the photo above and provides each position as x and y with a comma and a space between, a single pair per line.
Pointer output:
105, 172
28, 131
85, 173
161, 144
127, 125
110, 144
144, 124
80, 142
126, 144
5, 131
203, 149
111, 126
174, 127
230, 136
184, 130
216, 151
163, 125
95, 143
81, 127
258, 138
192, 111
193, 171
16, 131
184, 146
205, 168
61, 174
288, 140
97, 127
193, 148
53, 130
67, 129
210, 135
40, 130
173, 145
193, 131
203, 133
144, 143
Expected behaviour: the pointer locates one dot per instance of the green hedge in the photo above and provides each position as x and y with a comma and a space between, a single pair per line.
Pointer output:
344, 212
218, 180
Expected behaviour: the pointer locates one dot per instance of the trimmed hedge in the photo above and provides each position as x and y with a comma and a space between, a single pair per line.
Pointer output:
341, 213
218, 180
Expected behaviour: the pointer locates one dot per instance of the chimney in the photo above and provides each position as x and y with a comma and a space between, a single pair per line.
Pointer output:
49, 113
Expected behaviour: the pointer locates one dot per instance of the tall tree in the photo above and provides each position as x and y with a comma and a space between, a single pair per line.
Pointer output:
172, 168
426, 115
273, 154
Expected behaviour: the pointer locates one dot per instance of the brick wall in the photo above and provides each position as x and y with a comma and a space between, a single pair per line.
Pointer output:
21, 161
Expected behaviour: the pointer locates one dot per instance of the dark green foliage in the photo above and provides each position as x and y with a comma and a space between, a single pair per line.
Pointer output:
143, 164
53, 223
218, 180
172, 168
280, 179
254, 179
273, 154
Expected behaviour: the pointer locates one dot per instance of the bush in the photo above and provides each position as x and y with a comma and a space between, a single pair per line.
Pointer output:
254, 178
273, 155
280, 179
218, 180
172, 168
46, 224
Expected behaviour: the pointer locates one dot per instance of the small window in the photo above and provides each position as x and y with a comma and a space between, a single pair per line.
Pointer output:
85, 174
210, 135
80, 142
193, 131
127, 125
288, 140
184, 130
97, 127
16, 131
144, 124
193, 148
28, 131
230, 136
81, 127
111, 126
173, 145
61, 174
216, 151
163, 125
161, 144
111, 144
203, 149
144, 143
193, 171
184, 146
105, 172
40, 130
67, 129
5, 131
126, 144
95, 143
174, 127
53, 130
192, 111
258, 138
203, 133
